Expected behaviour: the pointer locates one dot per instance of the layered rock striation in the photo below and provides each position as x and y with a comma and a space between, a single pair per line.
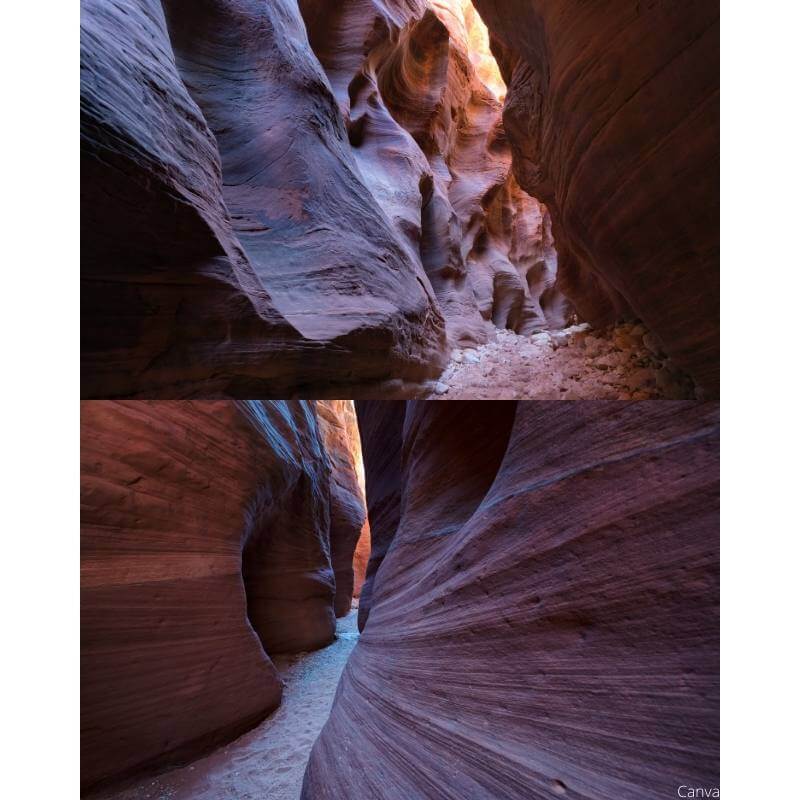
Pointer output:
276, 204
348, 512
230, 245
380, 424
612, 113
418, 99
544, 620
321, 199
209, 535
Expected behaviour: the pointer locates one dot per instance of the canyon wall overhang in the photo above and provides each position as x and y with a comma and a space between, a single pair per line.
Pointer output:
213, 534
545, 617
276, 204
612, 113
229, 243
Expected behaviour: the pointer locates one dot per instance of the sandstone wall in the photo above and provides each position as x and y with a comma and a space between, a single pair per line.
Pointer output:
229, 244
205, 546
427, 134
543, 624
348, 509
276, 204
613, 116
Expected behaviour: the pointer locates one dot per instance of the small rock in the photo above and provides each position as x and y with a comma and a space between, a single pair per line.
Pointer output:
441, 388
471, 357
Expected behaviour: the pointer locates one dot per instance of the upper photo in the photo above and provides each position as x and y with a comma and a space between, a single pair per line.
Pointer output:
444, 199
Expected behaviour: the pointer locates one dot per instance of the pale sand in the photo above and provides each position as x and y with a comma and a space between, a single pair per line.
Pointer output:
268, 762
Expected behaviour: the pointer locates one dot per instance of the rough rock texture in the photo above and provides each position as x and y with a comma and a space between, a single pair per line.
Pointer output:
229, 244
204, 543
613, 115
622, 362
427, 135
543, 624
348, 510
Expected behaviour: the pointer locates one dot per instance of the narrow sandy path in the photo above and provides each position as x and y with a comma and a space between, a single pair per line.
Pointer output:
577, 363
268, 762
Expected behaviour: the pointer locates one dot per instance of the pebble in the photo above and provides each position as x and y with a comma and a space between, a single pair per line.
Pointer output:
574, 363
471, 357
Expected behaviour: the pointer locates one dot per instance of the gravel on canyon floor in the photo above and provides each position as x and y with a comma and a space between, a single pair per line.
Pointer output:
268, 762
623, 362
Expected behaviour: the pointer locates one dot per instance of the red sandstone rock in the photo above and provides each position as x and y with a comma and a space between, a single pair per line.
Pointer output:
545, 622
204, 528
229, 244
361, 559
427, 135
613, 115
380, 424
348, 510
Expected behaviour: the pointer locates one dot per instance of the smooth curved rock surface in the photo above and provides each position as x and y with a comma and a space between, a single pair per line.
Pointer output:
380, 424
612, 112
205, 546
229, 244
546, 624
426, 132
348, 511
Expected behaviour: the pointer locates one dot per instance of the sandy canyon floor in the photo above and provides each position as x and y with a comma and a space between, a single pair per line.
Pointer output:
268, 762
577, 363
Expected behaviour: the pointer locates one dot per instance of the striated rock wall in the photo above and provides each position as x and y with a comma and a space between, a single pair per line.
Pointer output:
426, 132
229, 244
285, 198
543, 624
380, 424
612, 113
348, 511
205, 546
276, 204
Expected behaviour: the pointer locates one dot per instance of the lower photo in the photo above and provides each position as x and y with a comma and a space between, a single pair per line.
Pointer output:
399, 600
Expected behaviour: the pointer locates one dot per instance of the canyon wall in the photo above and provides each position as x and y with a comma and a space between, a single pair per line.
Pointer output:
276, 204
348, 510
427, 134
612, 113
229, 244
380, 424
545, 617
207, 533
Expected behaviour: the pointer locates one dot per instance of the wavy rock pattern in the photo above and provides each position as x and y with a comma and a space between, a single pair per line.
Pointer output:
613, 115
205, 545
230, 245
290, 198
545, 619
428, 138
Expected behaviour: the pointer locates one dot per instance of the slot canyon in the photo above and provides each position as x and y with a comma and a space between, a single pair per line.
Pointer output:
398, 600
400, 199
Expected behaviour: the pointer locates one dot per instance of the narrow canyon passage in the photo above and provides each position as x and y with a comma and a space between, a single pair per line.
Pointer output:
305, 199
538, 615
267, 763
